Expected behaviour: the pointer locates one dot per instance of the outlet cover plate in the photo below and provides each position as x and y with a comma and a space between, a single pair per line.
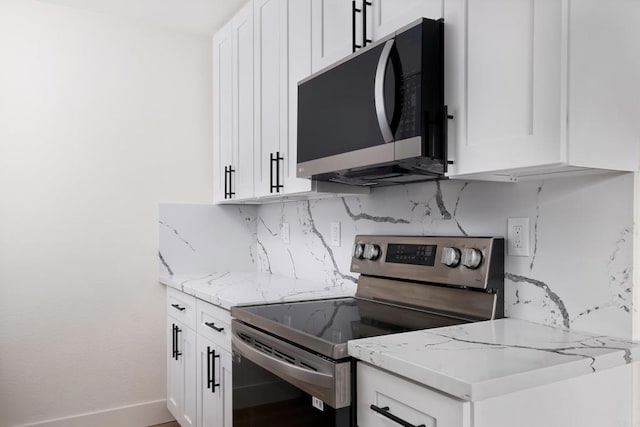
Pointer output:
285, 233
518, 237
335, 234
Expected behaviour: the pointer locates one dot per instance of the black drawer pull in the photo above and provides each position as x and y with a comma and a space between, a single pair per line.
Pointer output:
173, 337
177, 307
176, 352
211, 369
385, 412
213, 326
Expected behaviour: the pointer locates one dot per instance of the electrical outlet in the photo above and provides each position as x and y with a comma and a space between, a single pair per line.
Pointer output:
518, 237
335, 234
285, 233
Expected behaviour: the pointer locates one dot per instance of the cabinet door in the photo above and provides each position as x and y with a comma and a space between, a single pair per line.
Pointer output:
381, 395
271, 91
331, 25
299, 67
226, 384
242, 36
503, 85
603, 85
175, 380
389, 15
222, 108
181, 372
214, 385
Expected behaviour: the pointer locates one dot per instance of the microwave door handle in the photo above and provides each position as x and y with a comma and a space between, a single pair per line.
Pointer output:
381, 109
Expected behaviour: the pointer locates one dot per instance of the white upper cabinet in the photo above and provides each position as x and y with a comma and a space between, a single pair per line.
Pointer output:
535, 87
388, 15
331, 31
336, 28
270, 107
222, 110
233, 108
540, 86
300, 48
242, 36
259, 57
603, 91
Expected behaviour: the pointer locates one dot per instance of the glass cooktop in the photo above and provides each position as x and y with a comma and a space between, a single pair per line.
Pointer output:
342, 319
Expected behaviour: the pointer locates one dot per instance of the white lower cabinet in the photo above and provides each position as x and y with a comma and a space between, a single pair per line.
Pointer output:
385, 400
199, 384
181, 372
590, 400
214, 380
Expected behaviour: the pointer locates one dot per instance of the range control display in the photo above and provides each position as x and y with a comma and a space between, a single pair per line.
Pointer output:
411, 254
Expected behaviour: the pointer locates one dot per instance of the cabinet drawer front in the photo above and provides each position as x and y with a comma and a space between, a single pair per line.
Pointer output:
214, 323
182, 307
382, 396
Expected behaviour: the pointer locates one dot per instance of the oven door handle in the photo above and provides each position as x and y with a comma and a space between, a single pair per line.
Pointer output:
283, 368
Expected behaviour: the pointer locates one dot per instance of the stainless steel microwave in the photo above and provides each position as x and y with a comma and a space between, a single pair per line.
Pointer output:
378, 116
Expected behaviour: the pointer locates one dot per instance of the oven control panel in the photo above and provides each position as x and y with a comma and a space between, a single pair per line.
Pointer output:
461, 261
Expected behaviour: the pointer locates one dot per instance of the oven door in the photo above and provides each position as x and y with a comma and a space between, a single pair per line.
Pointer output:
275, 383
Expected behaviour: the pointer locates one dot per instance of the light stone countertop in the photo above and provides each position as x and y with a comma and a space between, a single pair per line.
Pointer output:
227, 289
476, 361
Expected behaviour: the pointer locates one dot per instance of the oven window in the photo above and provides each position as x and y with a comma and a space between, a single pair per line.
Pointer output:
261, 399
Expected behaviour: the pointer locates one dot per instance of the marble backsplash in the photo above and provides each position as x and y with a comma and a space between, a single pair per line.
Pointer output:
201, 239
579, 274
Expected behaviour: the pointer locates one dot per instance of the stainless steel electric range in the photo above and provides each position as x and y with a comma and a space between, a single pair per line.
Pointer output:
290, 361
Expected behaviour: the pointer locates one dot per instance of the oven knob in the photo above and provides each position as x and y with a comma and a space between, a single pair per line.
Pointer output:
358, 250
371, 252
471, 258
450, 257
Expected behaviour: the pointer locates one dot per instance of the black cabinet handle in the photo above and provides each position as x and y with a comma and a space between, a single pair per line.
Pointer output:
177, 307
445, 137
365, 40
177, 352
213, 326
385, 412
275, 159
211, 372
363, 10
278, 185
173, 338
354, 10
231, 171
226, 182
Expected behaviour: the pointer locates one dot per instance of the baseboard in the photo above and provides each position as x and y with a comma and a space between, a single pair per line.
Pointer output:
139, 415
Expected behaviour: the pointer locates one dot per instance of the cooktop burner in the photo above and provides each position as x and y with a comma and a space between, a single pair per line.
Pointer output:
342, 319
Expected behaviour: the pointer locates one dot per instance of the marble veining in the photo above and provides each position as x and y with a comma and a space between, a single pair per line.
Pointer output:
228, 289
177, 233
535, 227
164, 263
365, 216
486, 359
196, 239
311, 227
579, 273
562, 309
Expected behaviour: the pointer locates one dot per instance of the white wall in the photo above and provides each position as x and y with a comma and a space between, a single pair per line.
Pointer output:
100, 119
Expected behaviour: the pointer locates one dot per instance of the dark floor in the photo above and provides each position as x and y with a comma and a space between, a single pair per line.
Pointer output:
173, 424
